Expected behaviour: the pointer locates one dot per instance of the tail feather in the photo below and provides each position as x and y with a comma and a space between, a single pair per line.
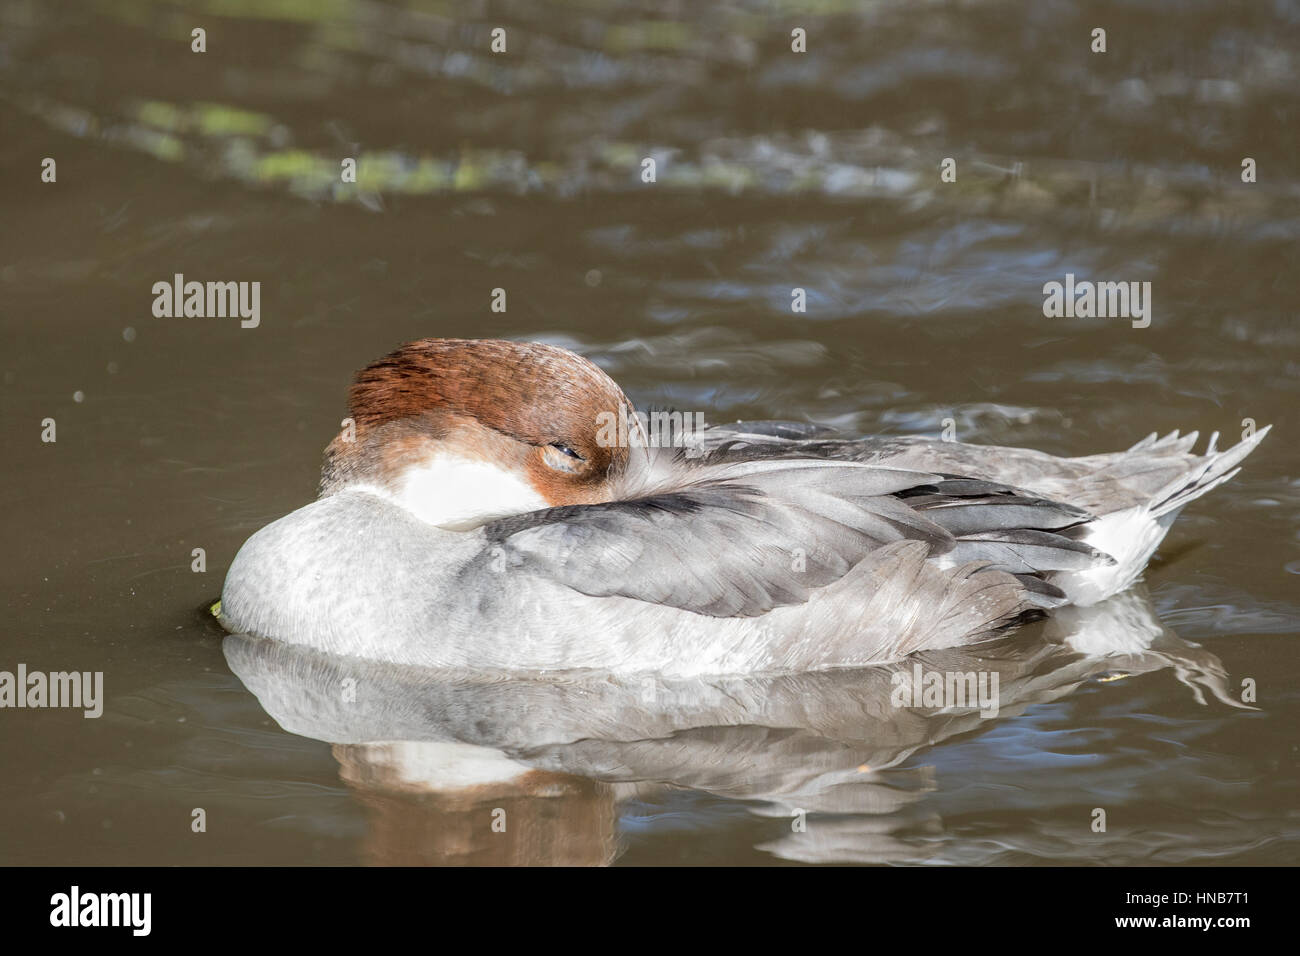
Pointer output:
1144, 444
1132, 534
1215, 468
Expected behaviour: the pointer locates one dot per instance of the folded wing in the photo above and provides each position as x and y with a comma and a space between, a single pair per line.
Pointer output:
739, 538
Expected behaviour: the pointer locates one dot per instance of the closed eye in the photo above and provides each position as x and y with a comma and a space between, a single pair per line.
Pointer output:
561, 457
567, 450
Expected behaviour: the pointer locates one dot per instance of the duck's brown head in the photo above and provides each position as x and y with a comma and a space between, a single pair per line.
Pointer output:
460, 431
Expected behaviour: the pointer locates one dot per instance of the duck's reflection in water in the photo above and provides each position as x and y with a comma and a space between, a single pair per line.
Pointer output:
439, 803
459, 769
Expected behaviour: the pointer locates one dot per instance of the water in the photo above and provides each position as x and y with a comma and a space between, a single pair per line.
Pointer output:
521, 171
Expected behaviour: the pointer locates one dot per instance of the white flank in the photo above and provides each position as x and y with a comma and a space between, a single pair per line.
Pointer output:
1130, 537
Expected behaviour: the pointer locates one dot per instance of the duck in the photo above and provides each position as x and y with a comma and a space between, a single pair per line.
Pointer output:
499, 507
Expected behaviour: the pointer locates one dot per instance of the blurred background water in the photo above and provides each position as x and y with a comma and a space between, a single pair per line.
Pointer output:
522, 170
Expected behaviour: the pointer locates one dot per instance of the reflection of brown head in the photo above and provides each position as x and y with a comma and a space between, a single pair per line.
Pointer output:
537, 818
528, 408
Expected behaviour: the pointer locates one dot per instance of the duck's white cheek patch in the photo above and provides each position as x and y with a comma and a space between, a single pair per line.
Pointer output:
454, 492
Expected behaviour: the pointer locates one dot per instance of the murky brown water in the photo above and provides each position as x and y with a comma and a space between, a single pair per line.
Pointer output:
522, 170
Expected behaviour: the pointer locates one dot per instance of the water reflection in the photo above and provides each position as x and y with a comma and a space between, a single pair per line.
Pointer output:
438, 758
